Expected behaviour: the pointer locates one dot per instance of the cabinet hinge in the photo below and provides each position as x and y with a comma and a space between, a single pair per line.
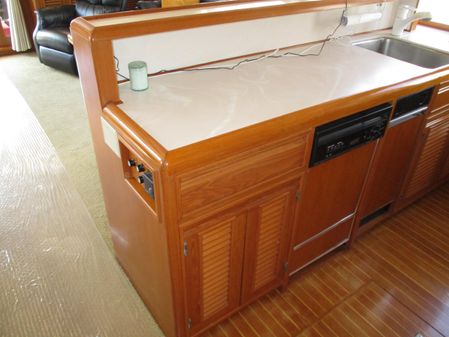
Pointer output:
298, 195
189, 323
286, 266
186, 248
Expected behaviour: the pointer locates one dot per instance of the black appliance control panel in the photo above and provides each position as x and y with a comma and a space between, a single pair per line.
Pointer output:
413, 102
340, 136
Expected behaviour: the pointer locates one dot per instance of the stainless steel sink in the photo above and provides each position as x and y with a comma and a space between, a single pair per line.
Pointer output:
406, 51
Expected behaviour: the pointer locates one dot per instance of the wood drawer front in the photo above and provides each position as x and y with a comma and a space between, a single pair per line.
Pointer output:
441, 98
233, 177
320, 245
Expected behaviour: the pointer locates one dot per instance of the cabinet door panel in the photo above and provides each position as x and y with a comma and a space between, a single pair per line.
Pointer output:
445, 174
441, 98
267, 241
432, 157
332, 191
213, 267
391, 161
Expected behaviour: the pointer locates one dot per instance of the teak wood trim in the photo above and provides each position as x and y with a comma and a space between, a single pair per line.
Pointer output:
134, 134
433, 24
159, 25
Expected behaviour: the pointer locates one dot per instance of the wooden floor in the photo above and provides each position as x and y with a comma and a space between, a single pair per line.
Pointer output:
393, 282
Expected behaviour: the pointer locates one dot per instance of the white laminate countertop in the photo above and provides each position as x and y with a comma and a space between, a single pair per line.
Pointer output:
183, 108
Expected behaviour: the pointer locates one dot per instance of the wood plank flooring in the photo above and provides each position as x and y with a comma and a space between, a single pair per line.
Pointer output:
394, 281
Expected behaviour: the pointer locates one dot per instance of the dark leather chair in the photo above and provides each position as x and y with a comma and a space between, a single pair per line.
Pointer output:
53, 27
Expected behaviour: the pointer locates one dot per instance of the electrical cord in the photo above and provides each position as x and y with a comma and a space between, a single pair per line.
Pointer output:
249, 60
117, 68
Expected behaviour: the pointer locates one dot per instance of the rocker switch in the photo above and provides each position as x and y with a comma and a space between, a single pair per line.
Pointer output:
148, 183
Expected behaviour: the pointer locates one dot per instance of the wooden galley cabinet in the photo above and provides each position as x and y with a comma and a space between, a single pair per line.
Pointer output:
228, 219
233, 259
205, 228
235, 222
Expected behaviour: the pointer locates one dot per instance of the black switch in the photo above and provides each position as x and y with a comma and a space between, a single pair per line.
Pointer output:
140, 179
140, 168
131, 162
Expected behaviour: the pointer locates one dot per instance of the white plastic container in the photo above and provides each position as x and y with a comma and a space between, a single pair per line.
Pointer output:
138, 75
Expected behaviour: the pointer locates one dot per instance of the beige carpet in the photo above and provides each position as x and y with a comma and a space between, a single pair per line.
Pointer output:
56, 100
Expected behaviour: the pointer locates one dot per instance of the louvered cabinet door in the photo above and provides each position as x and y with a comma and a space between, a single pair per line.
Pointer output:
445, 174
213, 257
267, 240
432, 158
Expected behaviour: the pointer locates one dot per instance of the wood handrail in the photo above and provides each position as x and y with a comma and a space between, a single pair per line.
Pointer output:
433, 24
122, 25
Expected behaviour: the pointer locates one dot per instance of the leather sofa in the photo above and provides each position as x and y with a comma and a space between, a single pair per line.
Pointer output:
53, 27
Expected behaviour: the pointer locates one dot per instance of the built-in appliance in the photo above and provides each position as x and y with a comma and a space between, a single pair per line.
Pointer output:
409, 106
394, 155
335, 138
339, 165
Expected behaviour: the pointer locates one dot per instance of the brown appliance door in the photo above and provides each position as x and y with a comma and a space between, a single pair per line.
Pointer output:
332, 191
391, 164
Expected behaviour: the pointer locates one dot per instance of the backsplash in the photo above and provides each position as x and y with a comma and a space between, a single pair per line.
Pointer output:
183, 48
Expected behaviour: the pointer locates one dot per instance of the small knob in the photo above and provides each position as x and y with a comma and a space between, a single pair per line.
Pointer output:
131, 162
140, 168
140, 179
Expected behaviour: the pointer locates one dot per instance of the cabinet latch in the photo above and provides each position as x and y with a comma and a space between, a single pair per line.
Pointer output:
189, 323
298, 195
186, 248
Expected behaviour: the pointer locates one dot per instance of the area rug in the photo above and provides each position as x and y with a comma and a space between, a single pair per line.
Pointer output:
56, 100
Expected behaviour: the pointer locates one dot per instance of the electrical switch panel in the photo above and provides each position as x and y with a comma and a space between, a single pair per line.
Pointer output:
139, 174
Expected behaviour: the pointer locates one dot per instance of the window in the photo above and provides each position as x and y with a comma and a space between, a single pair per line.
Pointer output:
438, 8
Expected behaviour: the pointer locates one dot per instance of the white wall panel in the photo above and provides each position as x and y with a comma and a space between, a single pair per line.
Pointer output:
176, 49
